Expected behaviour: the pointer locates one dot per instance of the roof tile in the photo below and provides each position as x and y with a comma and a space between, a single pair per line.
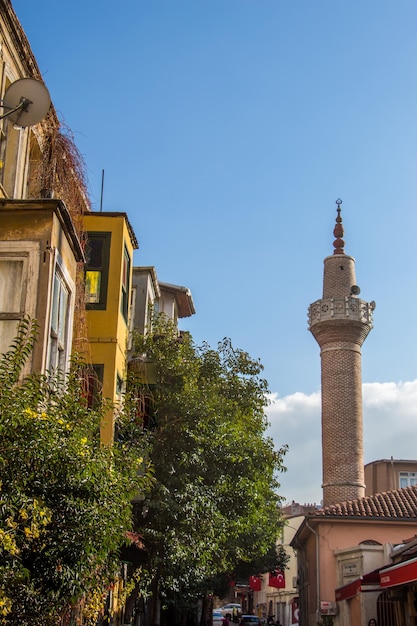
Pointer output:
400, 503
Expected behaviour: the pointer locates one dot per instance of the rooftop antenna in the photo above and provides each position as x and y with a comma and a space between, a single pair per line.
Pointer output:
102, 188
26, 102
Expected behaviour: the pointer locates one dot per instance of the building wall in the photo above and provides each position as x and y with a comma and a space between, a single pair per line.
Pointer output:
326, 542
145, 282
20, 150
36, 237
108, 329
351, 564
283, 599
384, 475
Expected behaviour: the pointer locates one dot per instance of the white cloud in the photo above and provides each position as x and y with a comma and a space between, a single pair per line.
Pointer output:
390, 428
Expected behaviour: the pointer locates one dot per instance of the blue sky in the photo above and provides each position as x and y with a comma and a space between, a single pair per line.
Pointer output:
226, 130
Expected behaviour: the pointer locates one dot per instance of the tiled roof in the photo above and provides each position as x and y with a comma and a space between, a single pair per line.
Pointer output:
399, 504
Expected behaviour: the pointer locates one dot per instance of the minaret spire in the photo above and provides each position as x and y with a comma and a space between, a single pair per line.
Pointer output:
338, 232
340, 322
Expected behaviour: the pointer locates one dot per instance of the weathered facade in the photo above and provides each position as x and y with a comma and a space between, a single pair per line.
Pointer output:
41, 182
39, 255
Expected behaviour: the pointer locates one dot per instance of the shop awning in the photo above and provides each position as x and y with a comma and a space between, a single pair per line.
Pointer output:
399, 574
367, 582
348, 591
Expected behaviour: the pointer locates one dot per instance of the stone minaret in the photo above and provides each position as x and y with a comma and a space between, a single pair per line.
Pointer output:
340, 323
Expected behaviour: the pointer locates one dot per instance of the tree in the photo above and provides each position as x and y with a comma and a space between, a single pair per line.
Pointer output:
215, 503
65, 500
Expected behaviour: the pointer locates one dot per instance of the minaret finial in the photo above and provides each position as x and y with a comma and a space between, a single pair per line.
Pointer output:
338, 232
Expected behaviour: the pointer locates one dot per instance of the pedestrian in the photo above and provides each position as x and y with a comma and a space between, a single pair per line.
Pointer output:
225, 621
372, 622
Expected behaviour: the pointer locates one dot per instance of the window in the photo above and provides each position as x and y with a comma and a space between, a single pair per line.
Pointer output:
11, 285
125, 284
94, 380
59, 336
19, 268
97, 270
408, 479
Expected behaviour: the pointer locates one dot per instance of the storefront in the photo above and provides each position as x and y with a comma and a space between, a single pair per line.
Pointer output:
389, 594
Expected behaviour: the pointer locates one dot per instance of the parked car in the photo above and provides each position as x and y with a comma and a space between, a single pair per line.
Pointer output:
249, 620
217, 617
227, 609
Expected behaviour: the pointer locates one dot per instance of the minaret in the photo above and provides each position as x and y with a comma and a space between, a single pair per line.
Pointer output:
340, 323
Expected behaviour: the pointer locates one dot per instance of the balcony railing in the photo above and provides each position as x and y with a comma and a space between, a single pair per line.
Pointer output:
340, 308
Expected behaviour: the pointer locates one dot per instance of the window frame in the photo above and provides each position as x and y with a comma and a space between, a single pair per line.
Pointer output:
125, 283
409, 477
60, 320
103, 268
28, 253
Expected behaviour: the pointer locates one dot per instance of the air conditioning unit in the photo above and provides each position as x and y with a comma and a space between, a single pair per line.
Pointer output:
328, 608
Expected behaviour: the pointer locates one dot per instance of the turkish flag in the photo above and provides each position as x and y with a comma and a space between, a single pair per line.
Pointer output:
255, 583
277, 579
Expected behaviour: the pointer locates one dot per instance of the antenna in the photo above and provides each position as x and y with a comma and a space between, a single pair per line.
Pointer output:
102, 189
27, 101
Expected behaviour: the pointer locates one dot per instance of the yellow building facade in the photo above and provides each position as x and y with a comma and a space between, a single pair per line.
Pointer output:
108, 278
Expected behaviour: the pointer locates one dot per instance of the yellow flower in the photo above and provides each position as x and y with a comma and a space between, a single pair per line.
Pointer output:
8, 543
5, 605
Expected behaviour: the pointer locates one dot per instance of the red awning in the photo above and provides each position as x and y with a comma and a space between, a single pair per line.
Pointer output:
399, 574
349, 590
359, 584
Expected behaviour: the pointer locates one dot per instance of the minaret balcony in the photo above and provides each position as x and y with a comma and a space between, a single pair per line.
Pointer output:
340, 308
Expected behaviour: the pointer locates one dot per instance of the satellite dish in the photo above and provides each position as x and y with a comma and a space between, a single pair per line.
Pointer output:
27, 102
355, 290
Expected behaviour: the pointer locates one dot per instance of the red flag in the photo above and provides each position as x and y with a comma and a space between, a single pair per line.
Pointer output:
277, 579
255, 583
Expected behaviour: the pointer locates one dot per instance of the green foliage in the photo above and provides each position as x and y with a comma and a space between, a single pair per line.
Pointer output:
215, 502
65, 500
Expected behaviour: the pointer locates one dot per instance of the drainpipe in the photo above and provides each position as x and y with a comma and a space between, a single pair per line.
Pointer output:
317, 571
